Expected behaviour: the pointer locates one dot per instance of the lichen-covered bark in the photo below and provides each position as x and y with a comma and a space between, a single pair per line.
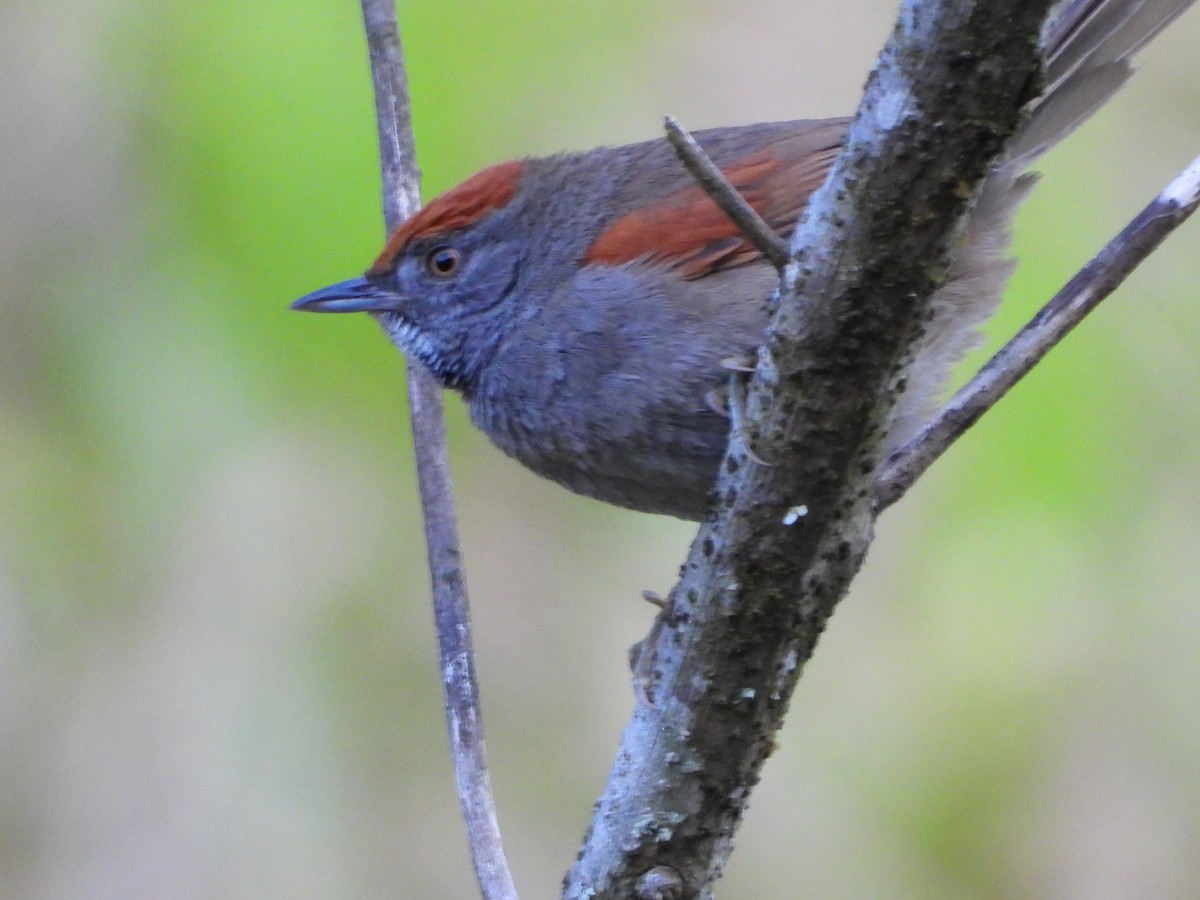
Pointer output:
767, 569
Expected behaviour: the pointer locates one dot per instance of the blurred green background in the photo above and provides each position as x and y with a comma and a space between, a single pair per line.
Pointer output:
217, 667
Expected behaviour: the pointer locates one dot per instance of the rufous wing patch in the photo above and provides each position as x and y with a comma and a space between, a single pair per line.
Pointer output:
687, 231
481, 194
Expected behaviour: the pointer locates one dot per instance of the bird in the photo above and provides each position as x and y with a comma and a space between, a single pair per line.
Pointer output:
585, 305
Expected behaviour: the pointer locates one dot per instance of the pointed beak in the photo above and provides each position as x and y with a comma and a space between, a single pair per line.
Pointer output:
355, 295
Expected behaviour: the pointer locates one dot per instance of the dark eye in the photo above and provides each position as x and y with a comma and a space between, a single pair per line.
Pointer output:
443, 261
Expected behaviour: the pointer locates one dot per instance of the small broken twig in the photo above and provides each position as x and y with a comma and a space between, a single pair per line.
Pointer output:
1083, 293
725, 195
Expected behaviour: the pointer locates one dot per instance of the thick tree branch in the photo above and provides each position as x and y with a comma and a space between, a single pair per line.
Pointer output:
401, 198
785, 539
1083, 293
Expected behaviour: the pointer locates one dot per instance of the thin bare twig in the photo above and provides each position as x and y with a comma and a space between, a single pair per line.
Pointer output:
725, 195
1083, 293
401, 198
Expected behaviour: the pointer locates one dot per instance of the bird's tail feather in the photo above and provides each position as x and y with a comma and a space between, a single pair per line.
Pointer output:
1088, 45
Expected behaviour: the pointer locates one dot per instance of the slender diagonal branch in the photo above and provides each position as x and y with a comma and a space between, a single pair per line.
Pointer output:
1083, 293
401, 198
725, 195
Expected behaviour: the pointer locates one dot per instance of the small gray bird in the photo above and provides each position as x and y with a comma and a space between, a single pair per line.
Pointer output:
583, 303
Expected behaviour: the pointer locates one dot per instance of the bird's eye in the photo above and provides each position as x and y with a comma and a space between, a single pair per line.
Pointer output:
443, 261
